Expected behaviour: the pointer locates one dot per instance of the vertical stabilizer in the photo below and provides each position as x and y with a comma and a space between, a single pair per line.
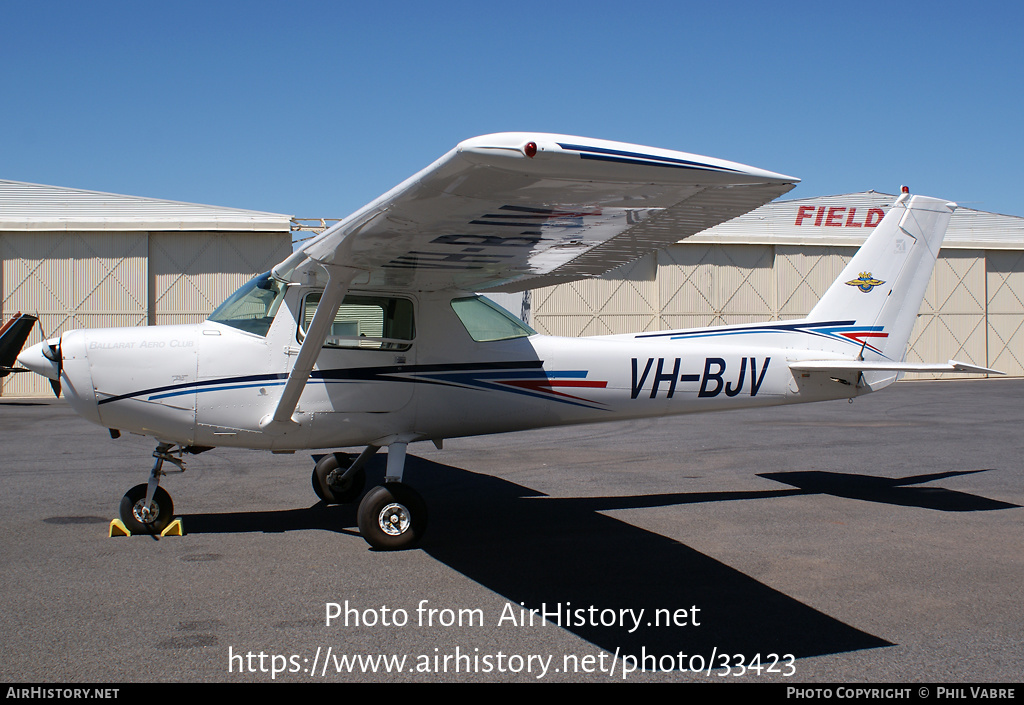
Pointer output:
882, 287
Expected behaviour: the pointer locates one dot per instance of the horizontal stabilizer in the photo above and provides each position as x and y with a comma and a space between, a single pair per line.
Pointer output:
887, 366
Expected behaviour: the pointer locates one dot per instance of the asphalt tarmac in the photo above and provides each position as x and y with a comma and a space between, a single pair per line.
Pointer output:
877, 541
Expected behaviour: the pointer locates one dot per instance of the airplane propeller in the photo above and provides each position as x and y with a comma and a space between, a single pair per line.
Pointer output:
52, 352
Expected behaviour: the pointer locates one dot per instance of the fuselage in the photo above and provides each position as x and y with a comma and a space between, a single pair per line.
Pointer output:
211, 384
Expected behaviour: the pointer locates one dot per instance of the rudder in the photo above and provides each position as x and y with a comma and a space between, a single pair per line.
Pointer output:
882, 287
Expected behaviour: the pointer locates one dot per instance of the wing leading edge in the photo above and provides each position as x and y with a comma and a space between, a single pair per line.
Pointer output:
514, 211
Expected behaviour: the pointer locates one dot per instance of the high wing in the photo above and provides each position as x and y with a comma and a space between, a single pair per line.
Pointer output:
515, 211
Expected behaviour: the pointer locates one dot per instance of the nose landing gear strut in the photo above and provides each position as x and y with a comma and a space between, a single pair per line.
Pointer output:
147, 508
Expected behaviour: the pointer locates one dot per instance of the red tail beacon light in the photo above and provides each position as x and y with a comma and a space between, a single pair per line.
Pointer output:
530, 149
904, 189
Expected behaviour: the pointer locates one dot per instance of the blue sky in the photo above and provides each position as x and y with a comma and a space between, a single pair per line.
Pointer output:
315, 108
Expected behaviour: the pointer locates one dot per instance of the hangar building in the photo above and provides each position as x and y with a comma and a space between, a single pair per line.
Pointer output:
776, 261
84, 259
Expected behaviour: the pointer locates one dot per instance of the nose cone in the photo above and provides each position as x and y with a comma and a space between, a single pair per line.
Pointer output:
35, 360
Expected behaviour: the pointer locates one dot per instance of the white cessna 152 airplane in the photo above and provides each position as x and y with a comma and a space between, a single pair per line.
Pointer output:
371, 334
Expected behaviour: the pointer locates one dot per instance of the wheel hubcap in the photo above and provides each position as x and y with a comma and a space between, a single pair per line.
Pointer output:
145, 514
394, 519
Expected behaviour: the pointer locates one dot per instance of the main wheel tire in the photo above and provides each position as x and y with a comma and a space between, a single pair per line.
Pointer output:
392, 517
337, 493
137, 519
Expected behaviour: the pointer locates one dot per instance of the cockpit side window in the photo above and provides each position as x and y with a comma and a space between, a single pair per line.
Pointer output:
486, 321
365, 322
252, 308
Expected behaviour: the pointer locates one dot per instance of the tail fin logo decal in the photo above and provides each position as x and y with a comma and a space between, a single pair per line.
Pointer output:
865, 282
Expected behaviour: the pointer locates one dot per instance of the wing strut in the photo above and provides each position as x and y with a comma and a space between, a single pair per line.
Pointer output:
338, 281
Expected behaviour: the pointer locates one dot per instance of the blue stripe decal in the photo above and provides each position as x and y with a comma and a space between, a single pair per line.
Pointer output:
187, 387
832, 330
486, 376
767, 328
215, 389
618, 155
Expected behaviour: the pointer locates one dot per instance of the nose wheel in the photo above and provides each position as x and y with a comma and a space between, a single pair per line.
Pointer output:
140, 517
148, 509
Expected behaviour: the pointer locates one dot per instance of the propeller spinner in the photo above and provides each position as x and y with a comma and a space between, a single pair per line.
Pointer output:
45, 359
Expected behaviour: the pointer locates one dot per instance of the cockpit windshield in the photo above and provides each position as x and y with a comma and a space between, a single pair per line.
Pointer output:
252, 308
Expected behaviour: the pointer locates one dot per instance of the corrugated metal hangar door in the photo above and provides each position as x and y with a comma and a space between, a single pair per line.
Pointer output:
624, 301
192, 273
1005, 280
951, 323
711, 285
689, 286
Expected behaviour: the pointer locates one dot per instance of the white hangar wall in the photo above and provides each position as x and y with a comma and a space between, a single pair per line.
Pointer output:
83, 259
777, 261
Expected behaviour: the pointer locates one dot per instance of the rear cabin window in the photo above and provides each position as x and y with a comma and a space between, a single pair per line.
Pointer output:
365, 322
486, 321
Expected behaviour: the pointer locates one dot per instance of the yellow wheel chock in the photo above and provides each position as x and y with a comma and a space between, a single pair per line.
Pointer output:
175, 528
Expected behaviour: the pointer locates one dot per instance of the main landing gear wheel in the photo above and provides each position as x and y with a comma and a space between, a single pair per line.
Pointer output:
326, 477
142, 520
392, 517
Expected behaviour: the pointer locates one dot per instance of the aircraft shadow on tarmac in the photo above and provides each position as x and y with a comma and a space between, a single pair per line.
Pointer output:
562, 552
886, 490
547, 552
